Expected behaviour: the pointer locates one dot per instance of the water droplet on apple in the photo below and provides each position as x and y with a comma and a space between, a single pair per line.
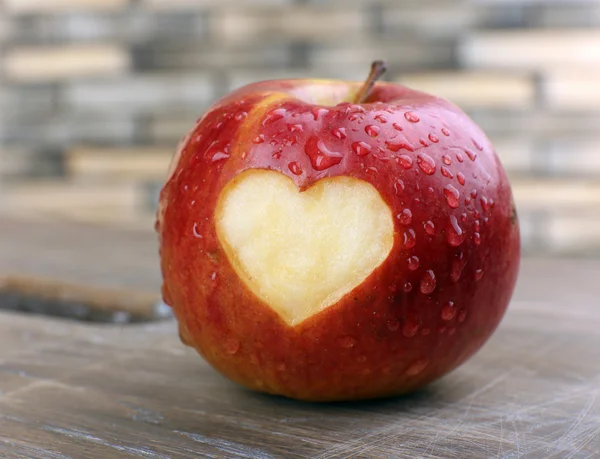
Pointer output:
410, 328
425, 331
446, 172
471, 154
434, 138
430, 228
477, 145
405, 161
347, 341
484, 203
448, 311
196, 231
426, 163
491, 203
393, 325
361, 148
395, 147
399, 186
321, 158
473, 193
274, 115
372, 130
319, 112
446, 132
478, 274
219, 156
412, 117
339, 132
476, 226
413, 263
295, 127
446, 160
240, 116
428, 282
407, 287
457, 267
476, 238
405, 217
295, 168
260, 138
462, 315
459, 157
410, 239
232, 346
423, 142
397, 127
354, 108
463, 217
442, 329
381, 118
452, 196
461, 178
451, 331
417, 367
276, 154
371, 170
456, 235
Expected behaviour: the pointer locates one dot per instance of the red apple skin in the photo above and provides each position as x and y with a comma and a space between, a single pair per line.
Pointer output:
392, 334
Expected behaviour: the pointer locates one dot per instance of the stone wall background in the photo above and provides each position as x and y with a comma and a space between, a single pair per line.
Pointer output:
94, 94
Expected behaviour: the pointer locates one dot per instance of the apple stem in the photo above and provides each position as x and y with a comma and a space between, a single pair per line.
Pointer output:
378, 68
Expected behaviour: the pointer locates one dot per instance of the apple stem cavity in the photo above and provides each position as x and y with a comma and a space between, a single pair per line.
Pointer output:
378, 68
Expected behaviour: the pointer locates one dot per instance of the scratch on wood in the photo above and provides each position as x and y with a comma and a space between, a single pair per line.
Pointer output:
227, 446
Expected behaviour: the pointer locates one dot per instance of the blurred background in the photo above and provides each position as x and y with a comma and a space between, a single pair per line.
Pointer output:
95, 94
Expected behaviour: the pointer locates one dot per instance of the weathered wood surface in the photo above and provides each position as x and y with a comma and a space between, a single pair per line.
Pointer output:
76, 390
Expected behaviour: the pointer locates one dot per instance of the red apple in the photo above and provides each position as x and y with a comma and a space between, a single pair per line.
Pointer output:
331, 240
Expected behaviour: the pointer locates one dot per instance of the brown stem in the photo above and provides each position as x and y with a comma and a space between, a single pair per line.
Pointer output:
378, 68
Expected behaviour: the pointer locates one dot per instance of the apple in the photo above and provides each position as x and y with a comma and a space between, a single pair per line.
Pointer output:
332, 240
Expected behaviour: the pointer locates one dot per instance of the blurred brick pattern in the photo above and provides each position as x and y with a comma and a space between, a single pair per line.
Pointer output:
94, 94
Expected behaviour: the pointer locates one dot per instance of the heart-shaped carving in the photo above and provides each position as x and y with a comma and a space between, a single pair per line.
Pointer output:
300, 252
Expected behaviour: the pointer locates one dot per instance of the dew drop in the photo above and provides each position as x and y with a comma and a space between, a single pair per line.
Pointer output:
484, 203
276, 154
347, 341
428, 282
463, 217
395, 147
195, 231
448, 311
410, 328
462, 315
339, 132
371, 170
473, 193
423, 142
446, 160
318, 112
446, 132
413, 263
476, 226
321, 158
219, 156
295, 168
477, 145
232, 346
295, 127
459, 157
397, 127
452, 196
468, 200
393, 325
381, 118
240, 116
417, 367
410, 239
412, 117
430, 228
274, 115
259, 139
372, 130
361, 148
461, 178
434, 138
456, 235
405, 217
446, 172
457, 267
399, 186
451, 331
478, 274
426, 163
405, 161
476, 238
442, 330
471, 154
407, 287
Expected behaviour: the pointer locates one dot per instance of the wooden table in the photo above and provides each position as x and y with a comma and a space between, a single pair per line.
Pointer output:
74, 390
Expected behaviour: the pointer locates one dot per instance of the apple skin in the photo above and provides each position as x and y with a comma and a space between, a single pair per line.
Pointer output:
386, 337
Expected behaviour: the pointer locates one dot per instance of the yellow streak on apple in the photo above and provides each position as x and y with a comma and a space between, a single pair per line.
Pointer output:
301, 252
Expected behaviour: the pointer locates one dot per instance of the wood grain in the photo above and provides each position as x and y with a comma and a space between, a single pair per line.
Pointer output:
72, 390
